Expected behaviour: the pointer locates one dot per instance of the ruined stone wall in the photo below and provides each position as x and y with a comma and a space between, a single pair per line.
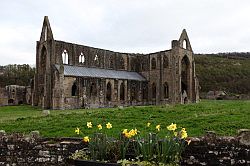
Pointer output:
163, 85
3, 97
215, 150
17, 149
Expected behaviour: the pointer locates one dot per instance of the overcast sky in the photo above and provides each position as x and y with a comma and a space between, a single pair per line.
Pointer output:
139, 26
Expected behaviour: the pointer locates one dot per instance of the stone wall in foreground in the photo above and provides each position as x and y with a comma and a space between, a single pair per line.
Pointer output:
17, 149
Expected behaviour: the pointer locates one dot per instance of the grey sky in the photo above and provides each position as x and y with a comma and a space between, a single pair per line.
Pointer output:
139, 26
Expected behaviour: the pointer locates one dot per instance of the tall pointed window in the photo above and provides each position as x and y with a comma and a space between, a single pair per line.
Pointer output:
73, 89
111, 62
184, 44
96, 60
165, 61
109, 92
46, 33
122, 91
122, 66
81, 58
153, 63
65, 57
166, 90
93, 90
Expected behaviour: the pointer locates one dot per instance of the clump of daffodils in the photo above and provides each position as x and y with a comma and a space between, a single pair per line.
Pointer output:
129, 134
147, 146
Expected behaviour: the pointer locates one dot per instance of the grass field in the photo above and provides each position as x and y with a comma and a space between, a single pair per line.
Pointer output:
223, 117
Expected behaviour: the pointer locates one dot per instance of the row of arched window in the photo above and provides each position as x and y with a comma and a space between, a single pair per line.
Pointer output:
165, 90
153, 63
65, 58
93, 91
82, 60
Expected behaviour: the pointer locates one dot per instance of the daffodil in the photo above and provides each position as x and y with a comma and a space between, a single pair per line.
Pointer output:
89, 124
127, 134
158, 127
99, 126
148, 124
124, 131
77, 131
133, 132
109, 125
183, 133
172, 127
86, 139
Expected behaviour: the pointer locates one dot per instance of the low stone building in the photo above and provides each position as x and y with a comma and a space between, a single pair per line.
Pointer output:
76, 76
15, 95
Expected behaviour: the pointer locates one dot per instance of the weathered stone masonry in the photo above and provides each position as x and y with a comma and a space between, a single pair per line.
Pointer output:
17, 149
76, 76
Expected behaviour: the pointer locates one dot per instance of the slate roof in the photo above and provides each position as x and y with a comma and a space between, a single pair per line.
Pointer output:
79, 71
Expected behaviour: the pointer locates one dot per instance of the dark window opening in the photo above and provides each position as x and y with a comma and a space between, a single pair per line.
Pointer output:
165, 62
93, 90
145, 92
122, 63
111, 62
166, 91
109, 92
153, 64
133, 92
122, 90
10, 101
73, 90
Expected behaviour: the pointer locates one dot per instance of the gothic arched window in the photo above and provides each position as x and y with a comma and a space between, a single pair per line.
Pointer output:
65, 57
165, 61
153, 63
122, 91
166, 90
109, 92
81, 58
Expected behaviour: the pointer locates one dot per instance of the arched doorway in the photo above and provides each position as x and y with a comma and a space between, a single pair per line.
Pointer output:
185, 79
109, 92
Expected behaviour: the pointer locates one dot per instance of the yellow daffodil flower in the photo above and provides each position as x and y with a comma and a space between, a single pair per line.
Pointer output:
172, 127
124, 131
183, 133
109, 125
148, 124
89, 124
127, 134
77, 131
86, 139
158, 127
99, 126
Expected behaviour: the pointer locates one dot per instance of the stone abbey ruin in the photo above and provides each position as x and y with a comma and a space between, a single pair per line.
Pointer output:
70, 76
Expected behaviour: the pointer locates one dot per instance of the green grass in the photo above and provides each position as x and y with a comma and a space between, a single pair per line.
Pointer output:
223, 117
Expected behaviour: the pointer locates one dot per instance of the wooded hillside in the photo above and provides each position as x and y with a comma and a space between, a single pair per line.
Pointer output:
224, 71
